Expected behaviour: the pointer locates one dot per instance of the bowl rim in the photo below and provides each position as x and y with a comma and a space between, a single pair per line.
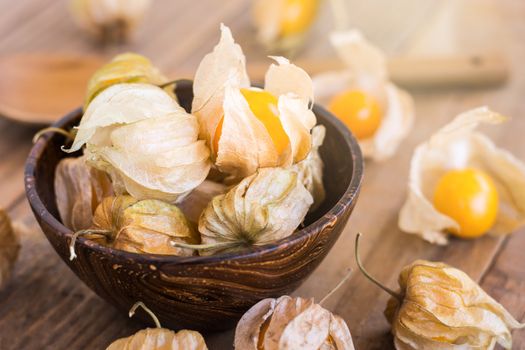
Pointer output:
328, 219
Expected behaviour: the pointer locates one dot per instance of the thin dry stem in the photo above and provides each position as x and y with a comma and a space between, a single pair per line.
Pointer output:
165, 85
367, 275
60, 131
72, 254
341, 282
142, 305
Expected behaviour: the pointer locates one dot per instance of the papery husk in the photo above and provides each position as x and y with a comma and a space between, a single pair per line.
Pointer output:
158, 158
310, 170
457, 146
124, 68
245, 144
121, 104
79, 189
196, 201
9, 248
291, 323
145, 141
224, 66
110, 20
442, 308
160, 339
261, 209
143, 226
366, 70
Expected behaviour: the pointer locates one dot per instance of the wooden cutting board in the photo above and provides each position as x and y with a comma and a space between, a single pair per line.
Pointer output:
40, 88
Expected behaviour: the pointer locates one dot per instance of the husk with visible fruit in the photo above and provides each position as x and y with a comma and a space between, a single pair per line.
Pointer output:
457, 146
366, 70
245, 144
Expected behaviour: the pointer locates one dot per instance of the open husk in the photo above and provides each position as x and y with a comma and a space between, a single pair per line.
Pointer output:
141, 226
123, 68
79, 189
145, 141
109, 20
245, 144
9, 248
310, 170
457, 146
159, 338
366, 70
290, 323
262, 208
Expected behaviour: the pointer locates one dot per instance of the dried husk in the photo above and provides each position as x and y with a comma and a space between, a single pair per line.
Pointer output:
121, 104
310, 170
262, 208
160, 339
245, 144
79, 189
9, 248
196, 201
457, 146
143, 226
124, 68
291, 323
145, 141
442, 308
110, 20
366, 70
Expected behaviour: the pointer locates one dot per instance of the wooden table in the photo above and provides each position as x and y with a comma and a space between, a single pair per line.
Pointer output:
46, 307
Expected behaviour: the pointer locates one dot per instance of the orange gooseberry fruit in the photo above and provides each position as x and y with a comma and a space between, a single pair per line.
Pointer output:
264, 106
469, 196
297, 16
358, 110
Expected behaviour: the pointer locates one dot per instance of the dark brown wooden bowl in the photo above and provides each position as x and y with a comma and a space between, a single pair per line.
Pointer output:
201, 293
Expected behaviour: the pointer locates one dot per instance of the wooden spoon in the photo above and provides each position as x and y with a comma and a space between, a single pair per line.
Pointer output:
39, 88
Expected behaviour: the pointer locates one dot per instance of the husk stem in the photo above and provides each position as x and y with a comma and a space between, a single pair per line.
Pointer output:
396, 295
68, 134
341, 282
147, 309
72, 254
165, 85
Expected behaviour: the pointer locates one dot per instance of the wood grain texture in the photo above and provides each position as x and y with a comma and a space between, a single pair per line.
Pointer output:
47, 306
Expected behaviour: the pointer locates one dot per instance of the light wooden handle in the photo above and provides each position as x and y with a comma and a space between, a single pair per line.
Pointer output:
419, 72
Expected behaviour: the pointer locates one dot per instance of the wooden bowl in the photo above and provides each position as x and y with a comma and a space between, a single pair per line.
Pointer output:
211, 292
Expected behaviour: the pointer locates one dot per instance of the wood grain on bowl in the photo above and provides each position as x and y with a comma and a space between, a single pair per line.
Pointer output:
201, 293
